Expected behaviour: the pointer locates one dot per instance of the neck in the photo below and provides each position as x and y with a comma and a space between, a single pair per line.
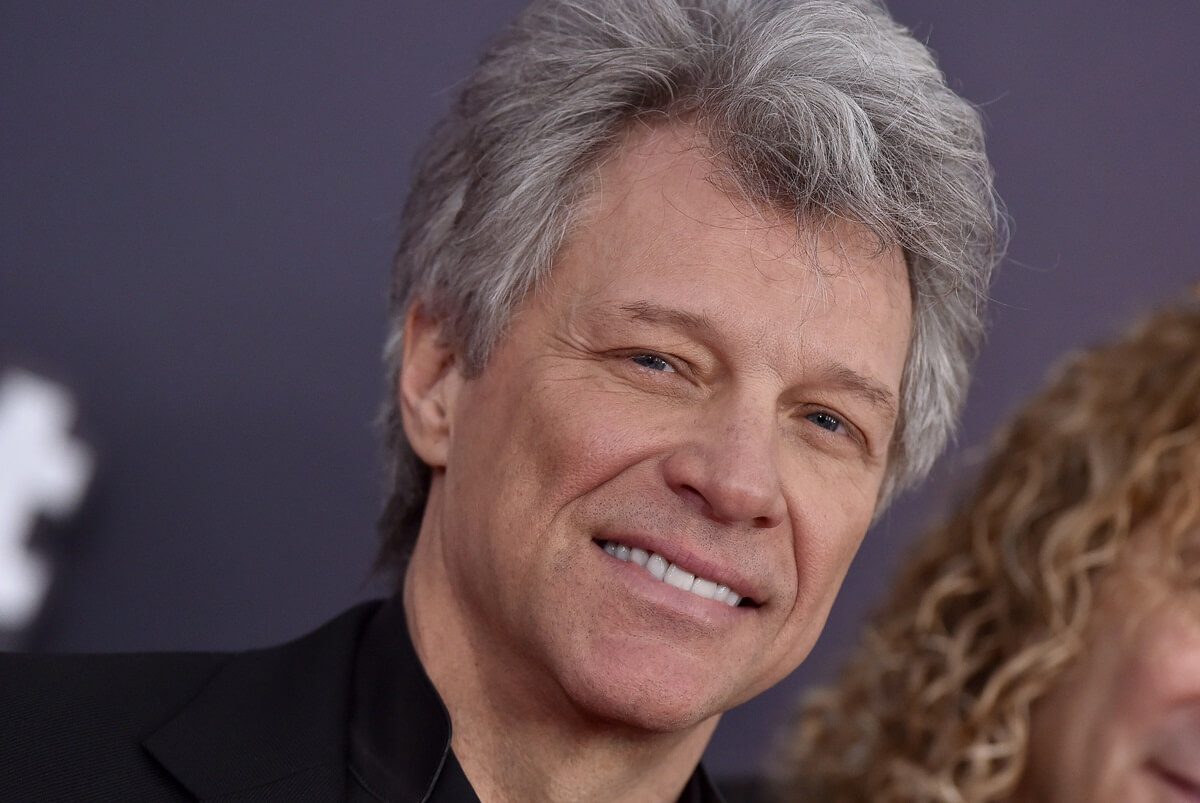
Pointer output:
516, 733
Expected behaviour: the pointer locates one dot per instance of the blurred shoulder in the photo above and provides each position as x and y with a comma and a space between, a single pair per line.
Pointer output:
33, 688
71, 726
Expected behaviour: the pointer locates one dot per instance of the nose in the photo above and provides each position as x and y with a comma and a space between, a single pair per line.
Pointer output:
727, 468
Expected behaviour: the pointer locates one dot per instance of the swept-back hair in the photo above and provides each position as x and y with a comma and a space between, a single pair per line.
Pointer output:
996, 603
813, 109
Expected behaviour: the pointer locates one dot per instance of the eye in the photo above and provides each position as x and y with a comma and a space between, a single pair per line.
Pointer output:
653, 362
825, 421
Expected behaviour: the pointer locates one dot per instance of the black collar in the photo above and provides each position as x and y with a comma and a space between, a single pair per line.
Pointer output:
399, 729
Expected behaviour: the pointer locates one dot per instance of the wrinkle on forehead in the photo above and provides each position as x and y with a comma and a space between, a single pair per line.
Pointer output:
674, 156
675, 152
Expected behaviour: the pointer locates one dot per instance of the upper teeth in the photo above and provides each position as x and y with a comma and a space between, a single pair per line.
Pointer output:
671, 574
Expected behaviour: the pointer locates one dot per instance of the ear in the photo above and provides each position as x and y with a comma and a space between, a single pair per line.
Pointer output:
427, 387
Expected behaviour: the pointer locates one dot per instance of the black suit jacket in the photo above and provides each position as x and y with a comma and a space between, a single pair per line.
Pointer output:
264, 726
252, 727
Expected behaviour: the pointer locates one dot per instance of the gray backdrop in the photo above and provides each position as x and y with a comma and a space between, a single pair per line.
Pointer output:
197, 216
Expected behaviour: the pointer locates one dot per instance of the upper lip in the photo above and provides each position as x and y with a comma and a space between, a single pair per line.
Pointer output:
692, 561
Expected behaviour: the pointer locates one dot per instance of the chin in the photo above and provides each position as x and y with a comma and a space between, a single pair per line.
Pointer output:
647, 698
644, 710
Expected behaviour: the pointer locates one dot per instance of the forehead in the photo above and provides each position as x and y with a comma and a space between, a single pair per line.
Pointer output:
1161, 556
1173, 548
663, 167
661, 197
661, 224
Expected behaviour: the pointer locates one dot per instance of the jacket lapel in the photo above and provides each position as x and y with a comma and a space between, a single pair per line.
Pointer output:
271, 724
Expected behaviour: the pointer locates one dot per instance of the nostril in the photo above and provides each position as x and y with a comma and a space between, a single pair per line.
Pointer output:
694, 499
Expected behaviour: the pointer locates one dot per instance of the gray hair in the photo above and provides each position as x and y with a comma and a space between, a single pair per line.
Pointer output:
815, 109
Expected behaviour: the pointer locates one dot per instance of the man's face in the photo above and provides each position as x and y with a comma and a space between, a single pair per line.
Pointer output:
705, 389
1122, 725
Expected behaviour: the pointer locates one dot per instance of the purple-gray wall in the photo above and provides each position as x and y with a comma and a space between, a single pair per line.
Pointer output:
196, 217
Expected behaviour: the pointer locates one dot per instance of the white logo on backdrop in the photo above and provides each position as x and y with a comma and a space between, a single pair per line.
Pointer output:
43, 472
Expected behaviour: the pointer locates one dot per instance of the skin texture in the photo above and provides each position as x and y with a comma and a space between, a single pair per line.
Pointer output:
697, 379
1123, 723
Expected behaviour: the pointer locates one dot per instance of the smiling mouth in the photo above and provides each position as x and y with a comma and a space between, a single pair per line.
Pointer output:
661, 569
1187, 786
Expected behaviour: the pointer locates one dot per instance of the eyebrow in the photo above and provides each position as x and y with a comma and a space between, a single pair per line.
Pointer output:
679, 319
844, 377
865, 388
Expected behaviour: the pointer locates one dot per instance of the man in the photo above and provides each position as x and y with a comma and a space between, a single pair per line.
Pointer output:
685, 293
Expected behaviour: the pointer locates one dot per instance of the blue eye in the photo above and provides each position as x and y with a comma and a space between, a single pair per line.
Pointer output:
825, 421
653, 362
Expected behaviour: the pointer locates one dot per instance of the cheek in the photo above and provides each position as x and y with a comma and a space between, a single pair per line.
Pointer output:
593, 417
1162, 665
821, 564
826, 537
830, 517
551, 442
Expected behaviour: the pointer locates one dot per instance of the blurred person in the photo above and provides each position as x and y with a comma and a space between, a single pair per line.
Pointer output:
685, 293
1043, 644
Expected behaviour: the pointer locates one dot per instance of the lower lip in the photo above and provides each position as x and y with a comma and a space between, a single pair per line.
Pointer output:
1183, 788
663, 595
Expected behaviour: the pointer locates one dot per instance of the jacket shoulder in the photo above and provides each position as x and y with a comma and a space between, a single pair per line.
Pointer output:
181, 726
74, 723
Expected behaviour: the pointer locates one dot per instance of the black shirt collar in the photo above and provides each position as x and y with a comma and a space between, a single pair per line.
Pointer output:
400, 731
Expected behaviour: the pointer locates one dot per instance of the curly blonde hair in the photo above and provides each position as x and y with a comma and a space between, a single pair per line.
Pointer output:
995, 603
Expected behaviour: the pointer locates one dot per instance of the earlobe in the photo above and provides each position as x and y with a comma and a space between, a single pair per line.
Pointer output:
427, 387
